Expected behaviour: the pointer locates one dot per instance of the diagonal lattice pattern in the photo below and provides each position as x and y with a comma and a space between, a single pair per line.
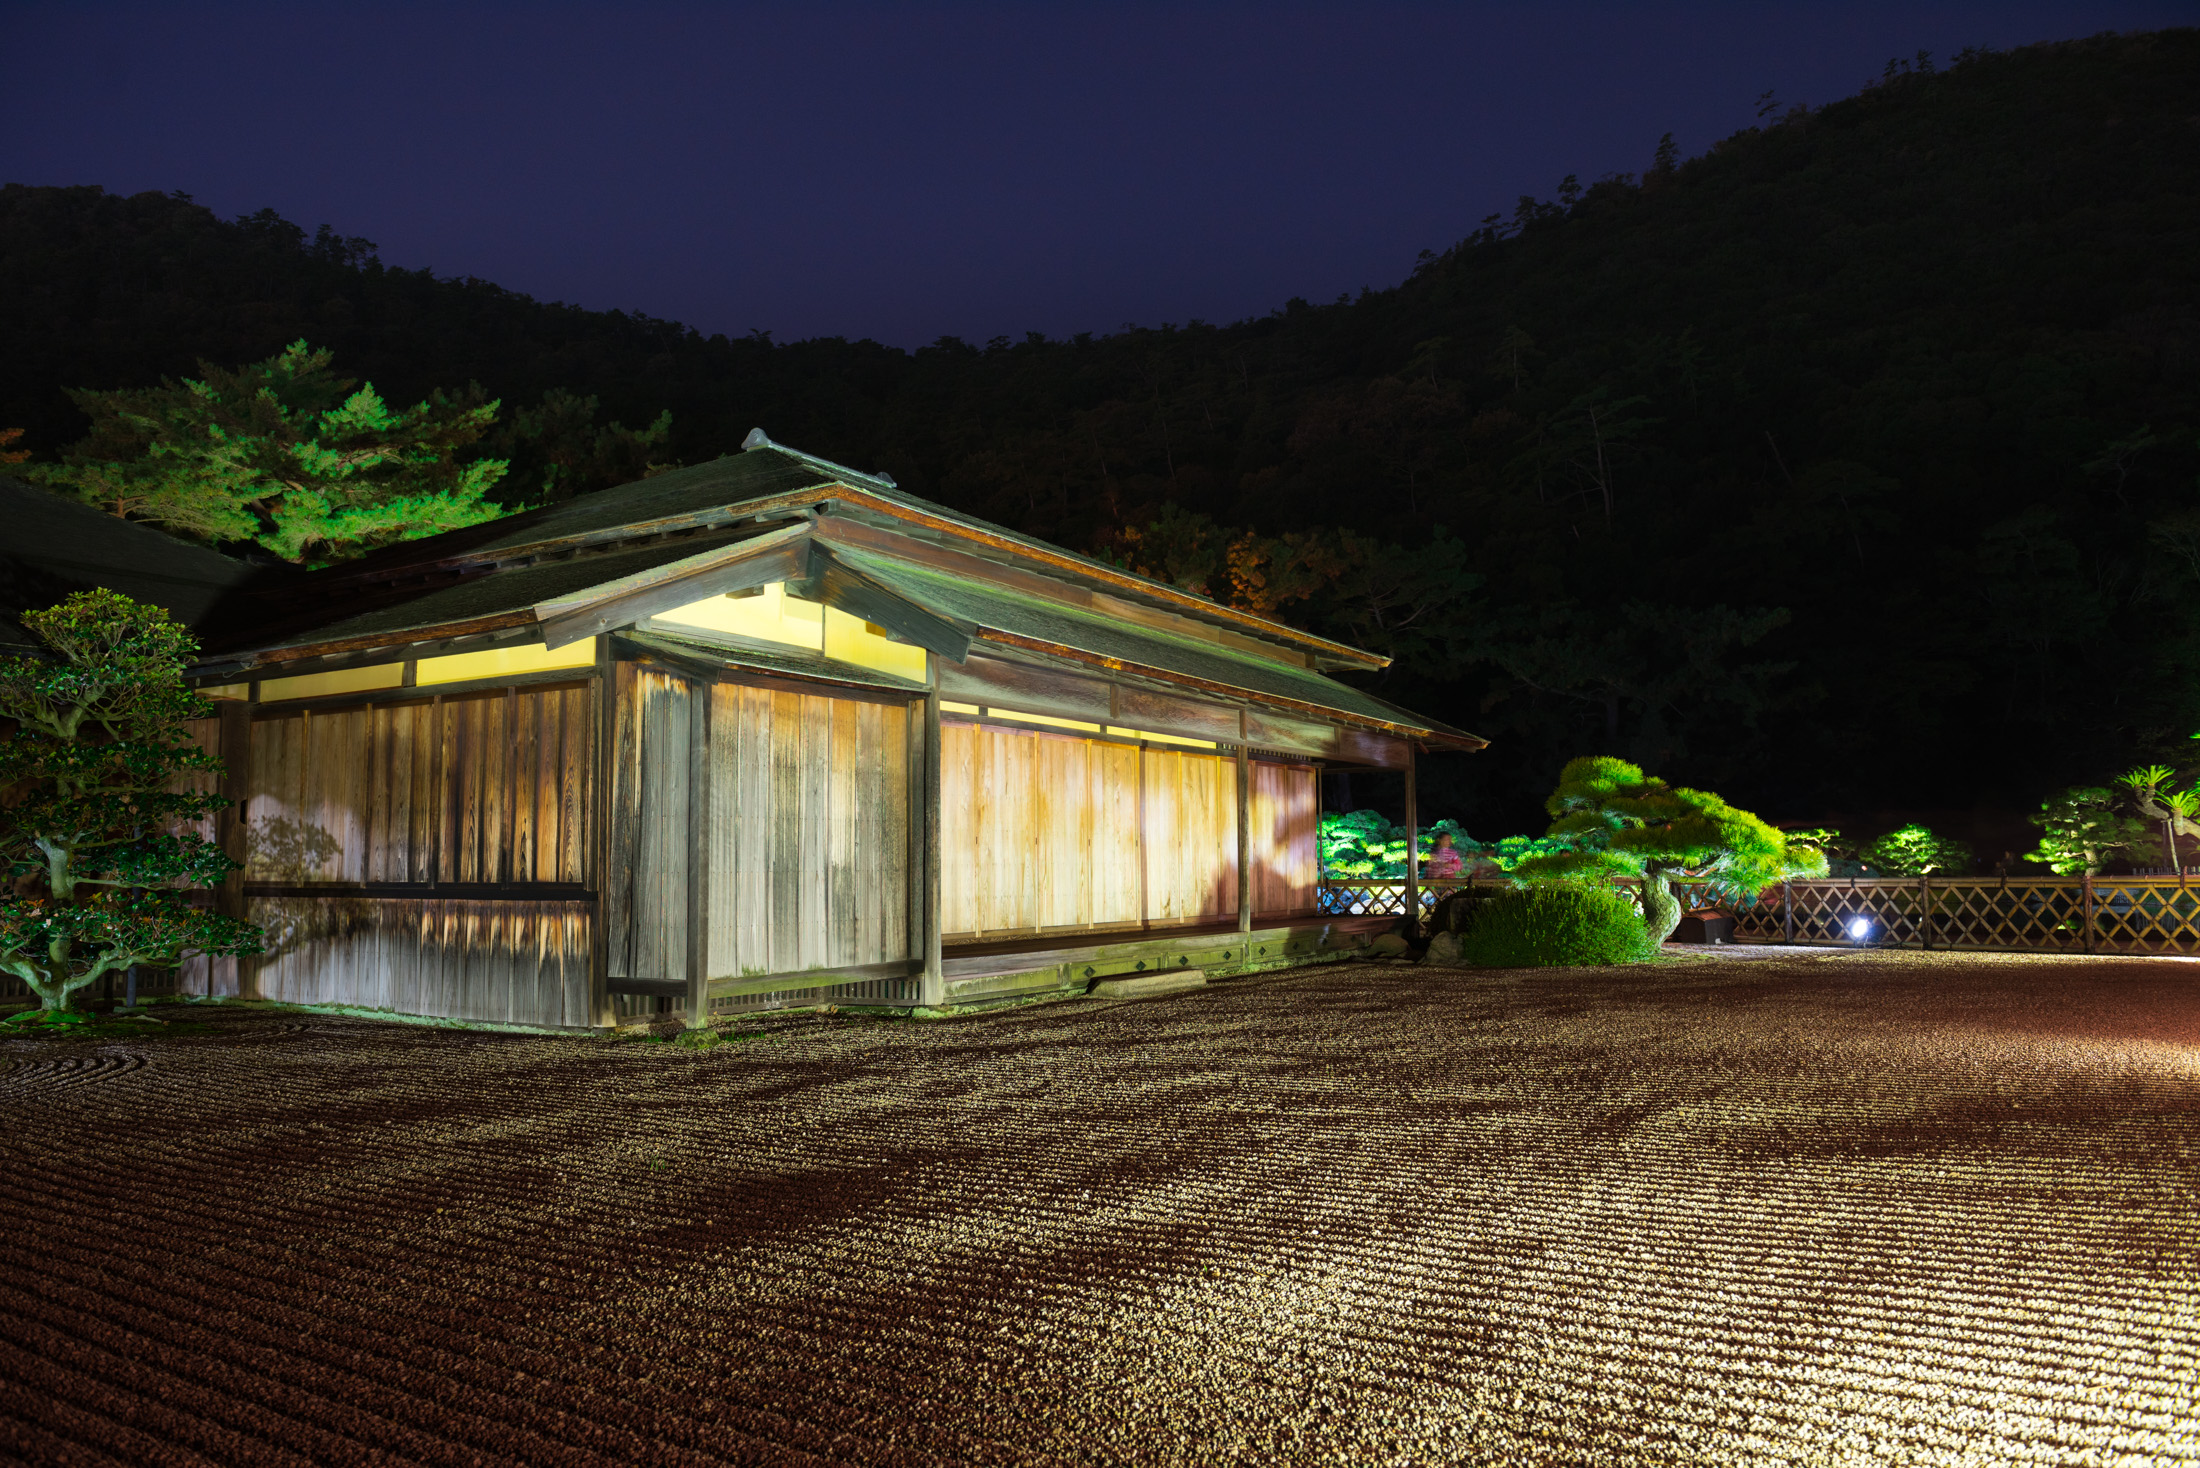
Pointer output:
1759, 1207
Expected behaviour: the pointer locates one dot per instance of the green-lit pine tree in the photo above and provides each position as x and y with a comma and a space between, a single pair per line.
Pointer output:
1914, 851
1621, 821
91, 834
2081, 831
283, 453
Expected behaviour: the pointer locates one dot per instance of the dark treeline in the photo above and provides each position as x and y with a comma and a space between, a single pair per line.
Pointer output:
1851, 465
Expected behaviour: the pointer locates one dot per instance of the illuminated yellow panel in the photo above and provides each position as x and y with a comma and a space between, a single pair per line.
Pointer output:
1048, 720
500, 662
318, 685
773, 616
853, 640
769, 616
227, 690
959, 708
1152, 738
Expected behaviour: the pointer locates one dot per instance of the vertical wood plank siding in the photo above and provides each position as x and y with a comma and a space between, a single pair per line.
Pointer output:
809, 832
206, 736
646, 896
500, 962
1286, 816
1042, 832
1191, 836
350, 795
481, 788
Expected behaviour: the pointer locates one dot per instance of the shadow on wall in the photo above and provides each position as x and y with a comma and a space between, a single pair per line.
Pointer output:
287, 850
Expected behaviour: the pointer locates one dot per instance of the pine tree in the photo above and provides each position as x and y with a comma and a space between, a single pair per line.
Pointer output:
285, 454
1620, 821
92, 835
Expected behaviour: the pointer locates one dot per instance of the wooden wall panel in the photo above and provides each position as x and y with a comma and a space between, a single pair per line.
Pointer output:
1191, 836
1038, 831
1117, 858
481, 788
1286, 814
646, 889
809, 832
496, 962
206, 736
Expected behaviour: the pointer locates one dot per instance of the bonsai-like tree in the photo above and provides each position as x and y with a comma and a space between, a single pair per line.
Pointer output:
90, 831
1914, 851
284, 453
2081, 830
1621, 821
2173, 811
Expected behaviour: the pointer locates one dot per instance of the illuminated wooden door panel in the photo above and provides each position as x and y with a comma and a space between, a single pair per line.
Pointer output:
809, 832
1038, 832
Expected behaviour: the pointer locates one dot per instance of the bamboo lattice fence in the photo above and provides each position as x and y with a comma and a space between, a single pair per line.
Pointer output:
2151, 914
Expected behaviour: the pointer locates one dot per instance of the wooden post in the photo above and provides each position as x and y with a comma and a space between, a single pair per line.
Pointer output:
1787, 909
915, 861
698, 855
1925, 911
230, 833
1413, 844
934, 988
2085, 895
603, 759
1244, 832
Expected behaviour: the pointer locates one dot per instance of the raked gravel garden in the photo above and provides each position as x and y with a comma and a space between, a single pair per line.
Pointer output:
1746, 1207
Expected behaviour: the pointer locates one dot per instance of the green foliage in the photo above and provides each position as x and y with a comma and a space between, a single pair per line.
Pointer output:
556, 449
1914, 851
1623, 822
1561, 923
2155, 800
285, 454
96, 768
2081, 830
1366, 843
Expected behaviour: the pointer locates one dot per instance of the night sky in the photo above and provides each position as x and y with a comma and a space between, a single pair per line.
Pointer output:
911, 172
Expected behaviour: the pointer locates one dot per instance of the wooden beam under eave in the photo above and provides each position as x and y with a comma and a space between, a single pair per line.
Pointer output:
1207, 685
837, 584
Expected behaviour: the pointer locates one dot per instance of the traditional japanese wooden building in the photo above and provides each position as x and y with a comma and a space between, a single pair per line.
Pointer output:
764, 731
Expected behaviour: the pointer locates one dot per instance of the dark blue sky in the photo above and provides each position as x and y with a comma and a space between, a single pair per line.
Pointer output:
910, 172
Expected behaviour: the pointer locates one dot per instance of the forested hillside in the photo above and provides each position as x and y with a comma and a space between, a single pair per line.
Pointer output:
1851, 464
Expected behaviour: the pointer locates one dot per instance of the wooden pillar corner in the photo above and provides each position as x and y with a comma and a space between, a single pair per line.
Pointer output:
1244, 835
603, 757
698, 855
1413, 840
933, 987
232, 834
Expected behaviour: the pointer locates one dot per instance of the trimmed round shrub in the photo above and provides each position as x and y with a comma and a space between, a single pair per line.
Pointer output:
1553, 924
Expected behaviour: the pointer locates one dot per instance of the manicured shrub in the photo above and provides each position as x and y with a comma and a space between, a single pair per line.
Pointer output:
1554, 924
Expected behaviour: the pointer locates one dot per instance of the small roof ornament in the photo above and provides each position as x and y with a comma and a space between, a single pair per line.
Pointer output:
759, 439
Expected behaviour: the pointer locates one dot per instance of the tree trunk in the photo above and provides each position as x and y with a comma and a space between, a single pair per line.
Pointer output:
1661, 909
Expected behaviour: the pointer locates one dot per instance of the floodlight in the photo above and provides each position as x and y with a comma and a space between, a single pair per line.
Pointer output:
1860, 928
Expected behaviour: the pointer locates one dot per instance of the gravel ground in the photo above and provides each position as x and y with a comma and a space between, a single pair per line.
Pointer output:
1751, 1207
